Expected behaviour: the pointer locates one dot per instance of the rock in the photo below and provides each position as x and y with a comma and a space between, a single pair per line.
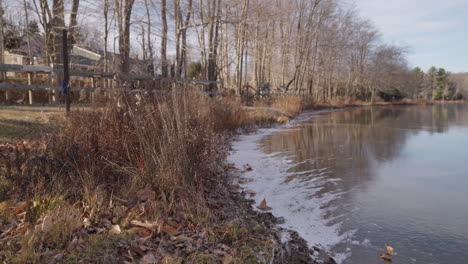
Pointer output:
280, 220
329, 260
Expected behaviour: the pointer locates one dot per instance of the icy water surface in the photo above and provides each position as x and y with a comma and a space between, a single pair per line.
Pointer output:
353, 181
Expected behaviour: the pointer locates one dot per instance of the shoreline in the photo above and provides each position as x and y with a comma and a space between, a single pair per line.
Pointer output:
210, 223
314, 253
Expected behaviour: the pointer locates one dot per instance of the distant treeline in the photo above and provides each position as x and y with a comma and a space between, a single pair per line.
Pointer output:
321, 49
435, 84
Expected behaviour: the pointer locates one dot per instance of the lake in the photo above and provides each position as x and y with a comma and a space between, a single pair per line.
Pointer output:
355, 180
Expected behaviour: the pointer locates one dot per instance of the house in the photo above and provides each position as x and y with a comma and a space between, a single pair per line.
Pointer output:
85, 58
13, 58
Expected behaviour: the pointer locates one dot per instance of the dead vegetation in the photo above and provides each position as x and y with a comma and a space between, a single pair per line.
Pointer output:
25, 122
136, 182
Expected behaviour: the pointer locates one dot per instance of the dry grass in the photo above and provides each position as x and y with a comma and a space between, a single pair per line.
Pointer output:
336, 103
169, 143
170, 147
290, 105
24, 122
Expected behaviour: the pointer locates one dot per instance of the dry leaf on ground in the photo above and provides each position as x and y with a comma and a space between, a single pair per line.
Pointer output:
389, 250
263, 206
115, 230
251, 192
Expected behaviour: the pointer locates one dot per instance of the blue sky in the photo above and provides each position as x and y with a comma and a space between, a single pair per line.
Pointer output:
435, 31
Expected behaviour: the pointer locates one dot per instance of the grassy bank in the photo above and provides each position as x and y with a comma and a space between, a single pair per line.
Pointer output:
26, 122
141, 182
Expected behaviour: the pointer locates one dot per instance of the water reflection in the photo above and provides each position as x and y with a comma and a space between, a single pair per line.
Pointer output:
398, 172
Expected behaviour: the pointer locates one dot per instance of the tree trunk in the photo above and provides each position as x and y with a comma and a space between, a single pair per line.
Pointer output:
164, 40
124, 13
73, 22
149, 45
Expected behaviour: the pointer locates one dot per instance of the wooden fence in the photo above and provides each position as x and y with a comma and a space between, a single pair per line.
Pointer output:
51, 72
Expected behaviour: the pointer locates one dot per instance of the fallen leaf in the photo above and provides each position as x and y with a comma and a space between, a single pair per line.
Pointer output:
138, 249
151, 226
115, 230
389, 250
168, 259
46, 224
73, 244
251, 192
20, 207
263, 205
282, 120
6, 204
243, 180
136, 230
57, 258
148, 259
169, 230
86, 223
219, 252
182, 238
228, 259
386, 257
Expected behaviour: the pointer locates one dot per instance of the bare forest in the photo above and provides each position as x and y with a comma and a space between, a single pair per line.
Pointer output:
321, 49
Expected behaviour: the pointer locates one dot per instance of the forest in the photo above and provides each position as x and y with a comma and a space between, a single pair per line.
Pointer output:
320, 49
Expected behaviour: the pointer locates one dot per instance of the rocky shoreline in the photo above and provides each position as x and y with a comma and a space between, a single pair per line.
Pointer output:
289, 246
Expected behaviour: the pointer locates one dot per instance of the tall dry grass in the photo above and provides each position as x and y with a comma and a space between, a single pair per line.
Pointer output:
290, 105
169, 143
139, 157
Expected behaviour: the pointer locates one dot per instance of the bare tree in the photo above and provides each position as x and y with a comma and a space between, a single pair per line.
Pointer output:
164, 71
124, 13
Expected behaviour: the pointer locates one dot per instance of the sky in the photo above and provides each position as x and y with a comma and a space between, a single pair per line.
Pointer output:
435, 31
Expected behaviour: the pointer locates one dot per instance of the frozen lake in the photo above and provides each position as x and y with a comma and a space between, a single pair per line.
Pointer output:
355, 180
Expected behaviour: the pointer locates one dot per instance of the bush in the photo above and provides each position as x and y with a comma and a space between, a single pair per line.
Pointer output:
194, 69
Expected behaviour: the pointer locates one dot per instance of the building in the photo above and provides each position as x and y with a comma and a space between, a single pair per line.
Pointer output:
93, 60
13, 58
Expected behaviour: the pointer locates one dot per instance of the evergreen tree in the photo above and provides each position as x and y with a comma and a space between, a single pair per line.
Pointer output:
33, 28
418, 83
